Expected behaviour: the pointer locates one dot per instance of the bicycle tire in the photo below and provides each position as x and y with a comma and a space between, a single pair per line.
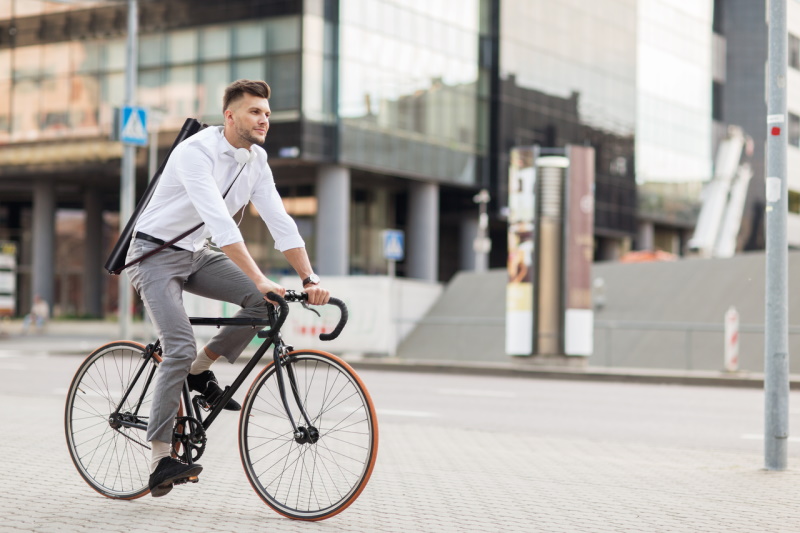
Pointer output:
114, 462
310, 481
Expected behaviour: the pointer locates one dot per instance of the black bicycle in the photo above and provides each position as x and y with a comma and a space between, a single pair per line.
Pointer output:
308, 433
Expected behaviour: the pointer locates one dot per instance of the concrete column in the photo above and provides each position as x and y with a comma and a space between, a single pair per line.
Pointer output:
44, 229
422, 246
333, 221
93, 274
469, 230
646, 236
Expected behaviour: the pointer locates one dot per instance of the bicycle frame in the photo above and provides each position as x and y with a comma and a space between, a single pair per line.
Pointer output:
271, 337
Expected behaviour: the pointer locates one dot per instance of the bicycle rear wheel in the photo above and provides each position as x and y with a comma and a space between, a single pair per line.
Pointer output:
112, 458
302, 478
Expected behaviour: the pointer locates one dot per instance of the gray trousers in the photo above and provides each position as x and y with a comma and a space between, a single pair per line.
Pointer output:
160, 280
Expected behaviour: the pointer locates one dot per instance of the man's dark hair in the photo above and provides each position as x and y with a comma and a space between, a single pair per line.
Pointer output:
237, 89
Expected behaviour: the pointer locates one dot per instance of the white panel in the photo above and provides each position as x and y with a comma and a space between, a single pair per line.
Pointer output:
8, 282
376, 320
519, 332
579, 332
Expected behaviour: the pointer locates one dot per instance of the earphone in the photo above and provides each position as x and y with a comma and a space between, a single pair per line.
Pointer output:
243, 155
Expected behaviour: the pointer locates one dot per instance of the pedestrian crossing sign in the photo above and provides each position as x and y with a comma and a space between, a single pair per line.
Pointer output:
133, 126
393, 244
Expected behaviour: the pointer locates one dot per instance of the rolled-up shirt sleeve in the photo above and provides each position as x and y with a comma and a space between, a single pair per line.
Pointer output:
194, 168
270, 207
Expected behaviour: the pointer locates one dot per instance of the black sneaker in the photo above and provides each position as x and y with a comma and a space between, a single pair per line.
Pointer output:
170, 471
206, 384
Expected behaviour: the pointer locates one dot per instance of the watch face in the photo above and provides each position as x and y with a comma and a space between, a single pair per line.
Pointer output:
312, 279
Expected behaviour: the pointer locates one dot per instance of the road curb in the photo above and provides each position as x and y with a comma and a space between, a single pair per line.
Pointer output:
627, 375
519, 369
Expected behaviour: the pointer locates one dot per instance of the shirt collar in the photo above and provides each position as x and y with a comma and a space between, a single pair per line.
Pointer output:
224, 146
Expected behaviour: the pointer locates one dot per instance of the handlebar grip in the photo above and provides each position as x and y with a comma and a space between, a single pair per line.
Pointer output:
342, 320
284, 310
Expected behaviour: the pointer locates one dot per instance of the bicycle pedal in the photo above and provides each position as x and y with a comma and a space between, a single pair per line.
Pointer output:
190, 479
203, 403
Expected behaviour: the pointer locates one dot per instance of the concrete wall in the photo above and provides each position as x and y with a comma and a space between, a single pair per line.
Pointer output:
467, 322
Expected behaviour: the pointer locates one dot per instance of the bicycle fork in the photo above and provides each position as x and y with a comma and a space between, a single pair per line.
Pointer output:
307, 434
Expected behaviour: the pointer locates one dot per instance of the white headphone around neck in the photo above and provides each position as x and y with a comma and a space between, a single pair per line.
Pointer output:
243, 155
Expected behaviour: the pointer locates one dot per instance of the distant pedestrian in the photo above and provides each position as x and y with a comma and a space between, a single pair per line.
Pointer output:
40, 313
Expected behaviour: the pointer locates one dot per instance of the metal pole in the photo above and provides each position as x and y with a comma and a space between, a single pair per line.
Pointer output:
392, 271
482, 245
128, 168
776, 355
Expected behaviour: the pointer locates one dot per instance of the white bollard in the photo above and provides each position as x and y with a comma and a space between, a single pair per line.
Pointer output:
732, 340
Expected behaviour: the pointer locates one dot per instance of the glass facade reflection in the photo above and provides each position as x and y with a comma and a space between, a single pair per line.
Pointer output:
568, 75
674, 91
409, 97
69, 89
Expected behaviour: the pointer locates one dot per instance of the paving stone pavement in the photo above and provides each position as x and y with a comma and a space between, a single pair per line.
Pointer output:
427, 479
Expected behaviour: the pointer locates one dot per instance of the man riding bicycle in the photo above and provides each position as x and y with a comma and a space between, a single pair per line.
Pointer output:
208, 178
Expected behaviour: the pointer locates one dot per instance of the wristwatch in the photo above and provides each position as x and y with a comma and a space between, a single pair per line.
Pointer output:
313, 279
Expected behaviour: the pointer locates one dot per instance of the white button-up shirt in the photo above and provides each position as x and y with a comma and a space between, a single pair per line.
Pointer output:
197, 174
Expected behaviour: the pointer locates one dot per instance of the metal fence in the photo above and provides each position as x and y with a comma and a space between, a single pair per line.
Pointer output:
686, 345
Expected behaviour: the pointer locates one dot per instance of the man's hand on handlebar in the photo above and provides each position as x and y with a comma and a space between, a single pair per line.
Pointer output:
317, 295
267, 285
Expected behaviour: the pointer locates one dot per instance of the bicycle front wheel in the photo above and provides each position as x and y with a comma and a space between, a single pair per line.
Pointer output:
320, 471
113, 458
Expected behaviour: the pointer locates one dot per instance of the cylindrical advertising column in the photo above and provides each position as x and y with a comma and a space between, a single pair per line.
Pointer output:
549, 283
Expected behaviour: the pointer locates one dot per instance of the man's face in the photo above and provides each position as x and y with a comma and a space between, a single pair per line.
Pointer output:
248, 119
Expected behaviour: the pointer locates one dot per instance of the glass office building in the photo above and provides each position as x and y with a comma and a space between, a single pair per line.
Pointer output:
379, 121
386, 115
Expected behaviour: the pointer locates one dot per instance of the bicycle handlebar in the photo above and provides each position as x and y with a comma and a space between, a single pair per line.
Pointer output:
343, 316
292, 296
282, 314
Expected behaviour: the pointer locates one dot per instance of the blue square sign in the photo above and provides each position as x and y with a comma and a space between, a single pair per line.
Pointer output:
393, 245
133, 126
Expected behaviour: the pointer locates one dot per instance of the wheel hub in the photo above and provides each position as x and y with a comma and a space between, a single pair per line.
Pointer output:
308, 435
114, 421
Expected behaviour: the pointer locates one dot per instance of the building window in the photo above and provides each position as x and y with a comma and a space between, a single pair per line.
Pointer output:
794, 130
718, 17
794, 52
794, 202
716, 100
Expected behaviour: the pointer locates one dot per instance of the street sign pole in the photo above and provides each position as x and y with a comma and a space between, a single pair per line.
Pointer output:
776, 355
128, 168
393, 251
482, 244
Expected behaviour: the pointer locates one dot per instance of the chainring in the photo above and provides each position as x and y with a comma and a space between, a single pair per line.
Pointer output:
190, 439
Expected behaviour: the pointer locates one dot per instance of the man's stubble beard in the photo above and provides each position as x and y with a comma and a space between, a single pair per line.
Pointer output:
247, 136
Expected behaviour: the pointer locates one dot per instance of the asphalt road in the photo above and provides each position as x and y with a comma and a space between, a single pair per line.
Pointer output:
457, 453
659, 415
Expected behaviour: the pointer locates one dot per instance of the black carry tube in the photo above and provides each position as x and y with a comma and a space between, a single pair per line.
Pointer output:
116, 261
